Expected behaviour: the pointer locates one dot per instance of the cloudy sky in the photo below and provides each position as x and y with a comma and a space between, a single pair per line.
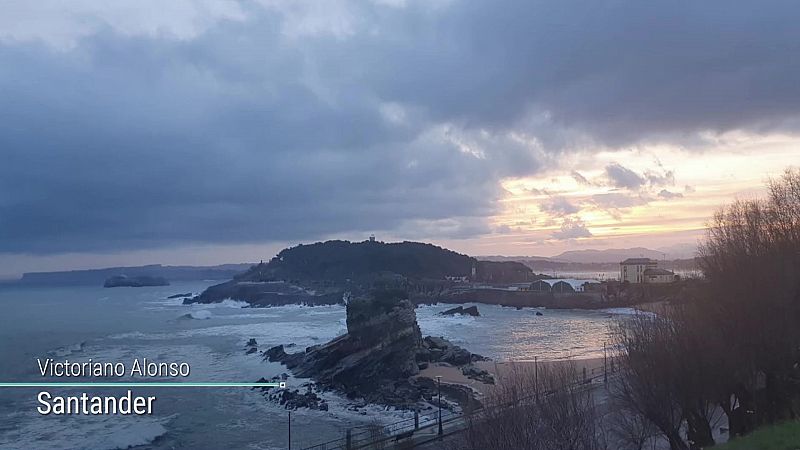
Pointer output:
220, 131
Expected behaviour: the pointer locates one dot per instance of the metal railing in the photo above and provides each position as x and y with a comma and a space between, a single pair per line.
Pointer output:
378, 436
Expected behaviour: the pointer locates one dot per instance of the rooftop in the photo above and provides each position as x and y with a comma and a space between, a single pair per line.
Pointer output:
658, 272
631, 261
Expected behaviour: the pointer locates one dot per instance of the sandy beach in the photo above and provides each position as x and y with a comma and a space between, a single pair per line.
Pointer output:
504, 370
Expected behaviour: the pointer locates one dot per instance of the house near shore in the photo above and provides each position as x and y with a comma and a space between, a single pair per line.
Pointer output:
659, 276
644, 270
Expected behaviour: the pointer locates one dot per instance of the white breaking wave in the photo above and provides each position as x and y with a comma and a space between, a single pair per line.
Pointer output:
625, 311
68, 350
203, 314
85, 432
227, 303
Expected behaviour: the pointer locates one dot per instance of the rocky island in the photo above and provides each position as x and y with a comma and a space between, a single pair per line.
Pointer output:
326, 273
330, 272
468, 311
380, 357
140, 281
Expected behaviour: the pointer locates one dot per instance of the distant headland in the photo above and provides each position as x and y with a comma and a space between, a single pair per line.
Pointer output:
326, 273
97, 277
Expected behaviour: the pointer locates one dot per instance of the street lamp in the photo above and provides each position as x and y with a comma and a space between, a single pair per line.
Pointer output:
536, 377
439, 389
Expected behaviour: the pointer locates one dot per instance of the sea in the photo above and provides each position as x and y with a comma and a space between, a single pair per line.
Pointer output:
77, 323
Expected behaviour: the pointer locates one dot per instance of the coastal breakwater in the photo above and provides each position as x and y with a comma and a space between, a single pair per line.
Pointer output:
609, 295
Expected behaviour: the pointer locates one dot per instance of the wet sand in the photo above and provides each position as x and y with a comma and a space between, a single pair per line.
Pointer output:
504, 370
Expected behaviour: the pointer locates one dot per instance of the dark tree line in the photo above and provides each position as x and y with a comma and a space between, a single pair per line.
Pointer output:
373, 262
735, 349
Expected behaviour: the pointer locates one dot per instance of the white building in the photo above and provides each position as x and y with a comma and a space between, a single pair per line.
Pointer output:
658, 276
643, 270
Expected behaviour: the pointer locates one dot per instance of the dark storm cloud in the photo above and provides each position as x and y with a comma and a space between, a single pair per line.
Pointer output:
127, 143
622, 177
405, 121
619, 176
617, 71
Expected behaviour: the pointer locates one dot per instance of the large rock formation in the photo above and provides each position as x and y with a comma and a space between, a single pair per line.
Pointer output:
468, 311
379, 356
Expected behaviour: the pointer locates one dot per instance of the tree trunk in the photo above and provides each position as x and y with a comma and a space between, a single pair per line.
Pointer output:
744, 413
675, 441
699, 431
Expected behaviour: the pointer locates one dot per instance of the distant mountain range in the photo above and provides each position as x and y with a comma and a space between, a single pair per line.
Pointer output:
604, 262
616, 255
612, 255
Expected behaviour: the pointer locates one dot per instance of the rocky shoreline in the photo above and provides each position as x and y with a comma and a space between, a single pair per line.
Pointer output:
263, 294
378, 360
326, 273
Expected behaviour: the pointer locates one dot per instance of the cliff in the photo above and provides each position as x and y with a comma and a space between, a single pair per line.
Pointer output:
94, 277
379, 355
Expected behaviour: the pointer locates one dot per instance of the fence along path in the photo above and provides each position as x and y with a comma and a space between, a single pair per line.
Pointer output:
422, 429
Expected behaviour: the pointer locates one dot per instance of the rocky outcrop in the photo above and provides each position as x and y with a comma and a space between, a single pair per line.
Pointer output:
252, 346
373, 360
378, 357
188, 294
468, 311
267, 293
294, 398
437, 349
141, 281
478, 374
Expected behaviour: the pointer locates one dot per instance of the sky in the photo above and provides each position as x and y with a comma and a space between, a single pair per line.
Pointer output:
204, 131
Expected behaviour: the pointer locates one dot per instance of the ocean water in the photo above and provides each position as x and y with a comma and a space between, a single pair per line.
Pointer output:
120, 324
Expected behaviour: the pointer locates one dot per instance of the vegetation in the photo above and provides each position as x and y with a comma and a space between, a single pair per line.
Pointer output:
380, 264
778, 437
532, 410
730, 353
735, 349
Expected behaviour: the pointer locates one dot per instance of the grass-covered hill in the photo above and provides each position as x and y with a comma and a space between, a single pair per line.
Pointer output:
339, 261
321, 273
